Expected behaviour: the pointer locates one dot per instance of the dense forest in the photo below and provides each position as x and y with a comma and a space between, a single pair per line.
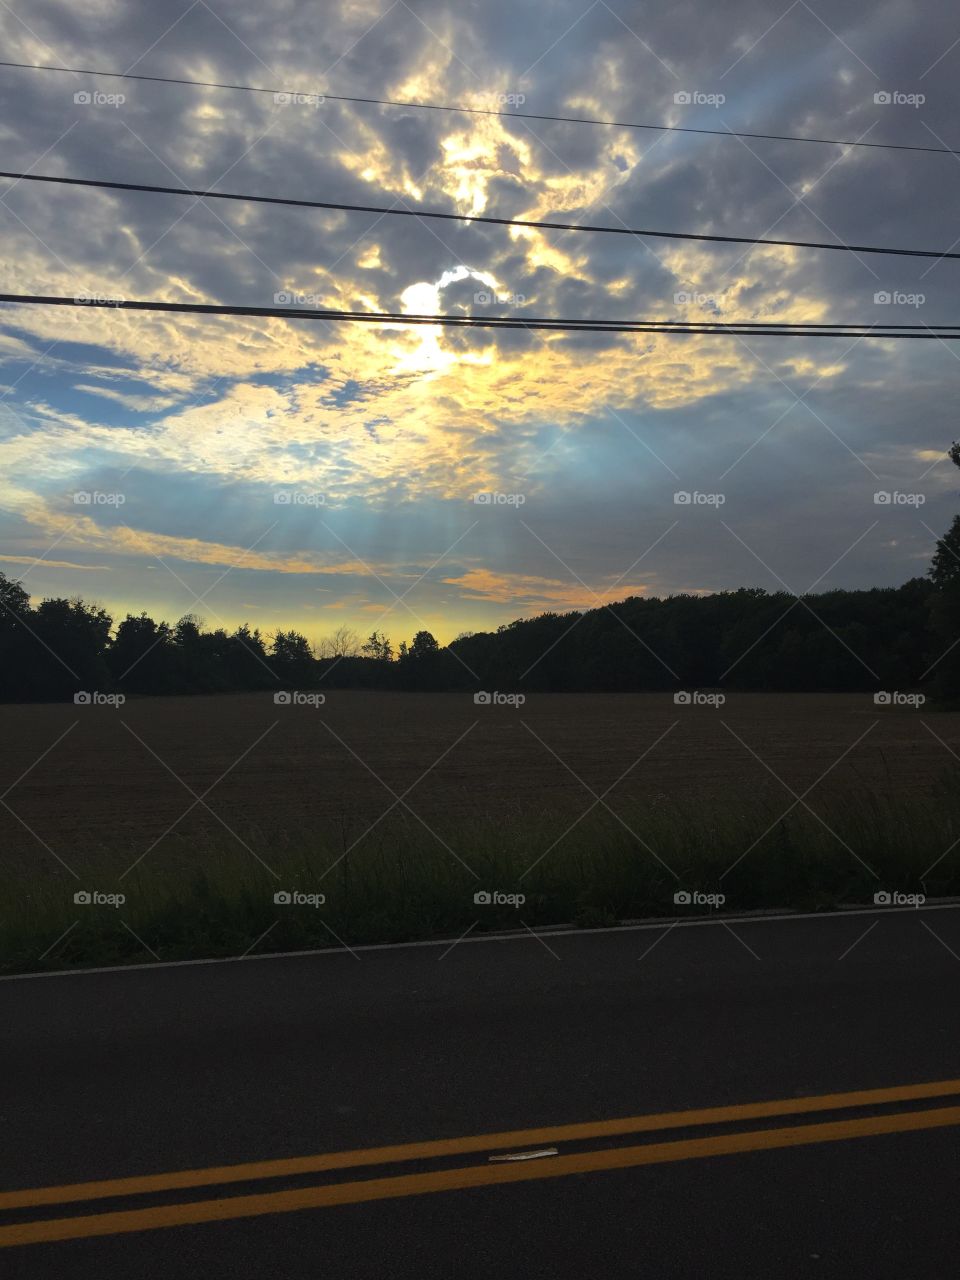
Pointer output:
898, 638
746, 639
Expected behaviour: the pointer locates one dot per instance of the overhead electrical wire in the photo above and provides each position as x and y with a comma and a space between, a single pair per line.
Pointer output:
480, 111
385, 318
202, 193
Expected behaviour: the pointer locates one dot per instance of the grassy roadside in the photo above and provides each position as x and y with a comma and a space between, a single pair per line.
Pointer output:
404, 882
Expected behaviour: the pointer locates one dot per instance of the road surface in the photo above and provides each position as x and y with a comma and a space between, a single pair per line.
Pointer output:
309, 1072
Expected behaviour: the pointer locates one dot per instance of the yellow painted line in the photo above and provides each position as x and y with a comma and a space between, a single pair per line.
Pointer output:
411, 1184
510, 1140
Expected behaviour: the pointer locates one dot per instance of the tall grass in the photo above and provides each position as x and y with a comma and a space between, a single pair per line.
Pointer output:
405, 882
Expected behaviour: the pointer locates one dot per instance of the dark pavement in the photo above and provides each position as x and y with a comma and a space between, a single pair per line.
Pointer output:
108, 1075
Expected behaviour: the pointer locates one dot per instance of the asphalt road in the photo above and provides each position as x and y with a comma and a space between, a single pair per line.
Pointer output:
122, 1074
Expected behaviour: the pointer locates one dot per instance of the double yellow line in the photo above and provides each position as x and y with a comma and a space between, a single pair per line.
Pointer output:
328, 1194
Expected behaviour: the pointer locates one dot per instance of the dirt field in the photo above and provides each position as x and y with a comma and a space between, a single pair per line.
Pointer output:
120, 780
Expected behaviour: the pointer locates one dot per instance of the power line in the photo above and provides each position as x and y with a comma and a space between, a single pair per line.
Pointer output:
204, 194
744, 328
481, 111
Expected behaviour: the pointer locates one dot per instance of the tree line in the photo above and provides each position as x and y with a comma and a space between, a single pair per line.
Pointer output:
748, 639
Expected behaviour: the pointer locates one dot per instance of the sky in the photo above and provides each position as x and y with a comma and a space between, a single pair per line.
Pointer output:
316, 474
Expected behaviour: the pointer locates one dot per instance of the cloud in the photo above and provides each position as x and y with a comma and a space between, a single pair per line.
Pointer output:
199, 420
532, 591
53, 564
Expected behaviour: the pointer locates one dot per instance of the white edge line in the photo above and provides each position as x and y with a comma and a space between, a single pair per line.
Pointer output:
760, 917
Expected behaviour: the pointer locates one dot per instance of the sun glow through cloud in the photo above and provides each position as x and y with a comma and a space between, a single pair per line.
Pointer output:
200, 421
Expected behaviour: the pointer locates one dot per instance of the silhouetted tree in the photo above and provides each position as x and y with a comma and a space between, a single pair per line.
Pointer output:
945, 608
424, 665
344, 643
69, 656
378, 647
15, 642
424, 645
142, 657
191, 654
245, 662
292, 660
